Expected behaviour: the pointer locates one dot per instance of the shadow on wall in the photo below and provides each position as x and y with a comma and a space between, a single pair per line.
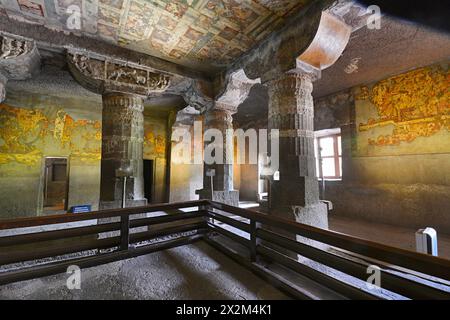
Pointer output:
396, 149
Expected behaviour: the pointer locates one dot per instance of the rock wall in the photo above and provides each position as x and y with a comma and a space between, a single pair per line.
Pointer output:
34, 126
396, 149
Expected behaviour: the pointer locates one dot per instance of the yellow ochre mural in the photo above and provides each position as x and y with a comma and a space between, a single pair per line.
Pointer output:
29, 134
401, 109
154, 138
26, 134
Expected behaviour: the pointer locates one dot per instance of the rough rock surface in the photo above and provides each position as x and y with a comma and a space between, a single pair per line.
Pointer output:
189, 272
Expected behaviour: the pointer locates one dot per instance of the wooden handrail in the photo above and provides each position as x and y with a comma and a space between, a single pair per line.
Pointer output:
426, 264
75, 217
205, 221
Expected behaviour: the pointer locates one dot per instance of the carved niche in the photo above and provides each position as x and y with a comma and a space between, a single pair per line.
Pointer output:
102, 75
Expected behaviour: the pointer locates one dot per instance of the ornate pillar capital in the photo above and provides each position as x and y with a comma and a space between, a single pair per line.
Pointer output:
221, 112
116, 101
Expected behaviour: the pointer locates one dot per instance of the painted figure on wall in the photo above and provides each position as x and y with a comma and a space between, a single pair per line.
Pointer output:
415, 104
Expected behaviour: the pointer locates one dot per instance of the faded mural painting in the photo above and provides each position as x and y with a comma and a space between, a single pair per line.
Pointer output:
154, 138
35, 126
405, 114
26, 135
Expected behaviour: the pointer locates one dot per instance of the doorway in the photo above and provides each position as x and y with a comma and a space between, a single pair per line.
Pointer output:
56, 178
149, 179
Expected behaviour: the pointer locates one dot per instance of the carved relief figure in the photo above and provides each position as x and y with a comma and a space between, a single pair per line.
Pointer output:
82, 63
417, 104
118, 74
13, 48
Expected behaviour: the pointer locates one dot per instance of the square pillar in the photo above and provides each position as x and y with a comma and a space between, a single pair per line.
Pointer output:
221, 120
295, 195
122, 150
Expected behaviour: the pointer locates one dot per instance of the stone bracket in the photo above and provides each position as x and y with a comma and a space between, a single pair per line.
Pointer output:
103, 74
199, 95
236, 89
19, 60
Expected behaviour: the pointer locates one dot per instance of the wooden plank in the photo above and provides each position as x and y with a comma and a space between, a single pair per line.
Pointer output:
230, 235
254, 240
276, 280
390, 281
73, 217
409, 259
230, 221
57, 234
52, 251
124, 232
88, 262
165, 219
149, 235
317, 276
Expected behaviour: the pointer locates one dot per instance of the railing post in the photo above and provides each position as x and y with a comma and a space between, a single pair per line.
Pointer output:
124, 232
205, 208
254, 240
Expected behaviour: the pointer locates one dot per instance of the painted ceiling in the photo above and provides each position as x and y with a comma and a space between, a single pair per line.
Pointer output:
196, 33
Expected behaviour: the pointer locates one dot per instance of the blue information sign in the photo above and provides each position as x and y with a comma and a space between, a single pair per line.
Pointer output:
80, 209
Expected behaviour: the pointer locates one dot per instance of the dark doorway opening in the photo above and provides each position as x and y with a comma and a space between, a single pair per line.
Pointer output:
56, 178
148, 179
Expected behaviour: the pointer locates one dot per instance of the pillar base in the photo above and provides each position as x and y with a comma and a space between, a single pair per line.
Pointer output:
315, 215
106, 205
227, 197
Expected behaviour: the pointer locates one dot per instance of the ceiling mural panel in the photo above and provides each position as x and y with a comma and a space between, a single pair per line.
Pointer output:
196, 33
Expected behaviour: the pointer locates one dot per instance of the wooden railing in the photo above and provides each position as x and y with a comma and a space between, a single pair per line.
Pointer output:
94, 244
253, 239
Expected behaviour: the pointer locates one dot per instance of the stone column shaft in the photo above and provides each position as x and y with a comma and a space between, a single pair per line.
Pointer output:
122, 149
220, 119
291, 110
223, 179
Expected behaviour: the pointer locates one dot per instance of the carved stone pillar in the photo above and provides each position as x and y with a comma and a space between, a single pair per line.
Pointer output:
291, 110
220, 119
122, 150
234, 91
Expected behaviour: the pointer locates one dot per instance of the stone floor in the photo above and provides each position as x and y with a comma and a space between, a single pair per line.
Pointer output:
191, 272
395, 236
387, 234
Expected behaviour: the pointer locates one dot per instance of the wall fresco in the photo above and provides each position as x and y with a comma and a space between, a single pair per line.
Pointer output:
26, 134
405, 114
155, 131
33, 126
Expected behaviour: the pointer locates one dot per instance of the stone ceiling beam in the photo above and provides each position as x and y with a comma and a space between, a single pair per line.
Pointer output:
61, 41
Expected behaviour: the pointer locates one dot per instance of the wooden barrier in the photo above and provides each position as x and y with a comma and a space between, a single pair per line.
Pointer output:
409, 274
